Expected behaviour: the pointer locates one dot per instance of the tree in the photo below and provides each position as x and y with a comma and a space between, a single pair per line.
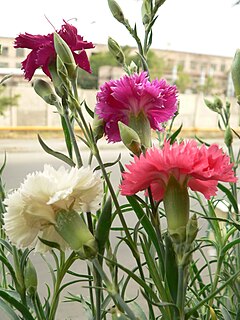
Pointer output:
7, 101
183, 80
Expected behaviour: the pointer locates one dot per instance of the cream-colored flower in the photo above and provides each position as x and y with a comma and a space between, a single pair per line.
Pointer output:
32, 209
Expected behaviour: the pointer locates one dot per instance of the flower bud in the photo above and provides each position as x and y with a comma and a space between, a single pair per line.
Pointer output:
57, 81
44, 90
191, 229
130, 138
116, 50
235, 71
98, 127
215, 106
30, 278
176, 204
62, 70
71, 226
116, 11
158, 3
146, 11
140, 124
64, 52
228, 136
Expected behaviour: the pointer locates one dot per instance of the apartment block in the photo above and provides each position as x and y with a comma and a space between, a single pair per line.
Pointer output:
199, 68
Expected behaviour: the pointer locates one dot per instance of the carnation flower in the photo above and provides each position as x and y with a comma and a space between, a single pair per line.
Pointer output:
200, 168
43, 52
33, 208
134, 97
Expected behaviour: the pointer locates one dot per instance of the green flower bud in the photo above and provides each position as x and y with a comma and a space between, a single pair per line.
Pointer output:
235, 71
57, 81
191, 229
30, 278
140, 124
228, 136
158, 3
116, 50
130, 138
98, 127
215, 106
146, 11
176, 204
116, 11
64, 52
62, 71
71, 226
44, 90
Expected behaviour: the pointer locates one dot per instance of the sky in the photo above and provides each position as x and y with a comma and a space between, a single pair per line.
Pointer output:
199, 26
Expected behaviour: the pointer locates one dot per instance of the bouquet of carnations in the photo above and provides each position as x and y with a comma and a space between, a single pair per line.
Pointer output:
170, 186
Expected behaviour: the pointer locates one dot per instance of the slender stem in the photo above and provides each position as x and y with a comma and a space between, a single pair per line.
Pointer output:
215, 282
121, 304
60, 275
73, 139
38, 307
181, 291
115, 200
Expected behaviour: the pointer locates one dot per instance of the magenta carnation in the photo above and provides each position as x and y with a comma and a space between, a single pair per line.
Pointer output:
117, 100
43, 52
200, 167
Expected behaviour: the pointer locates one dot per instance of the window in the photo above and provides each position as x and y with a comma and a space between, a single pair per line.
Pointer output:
213, 67
5, 51
18, 65
223, 67
193, 65
20, 52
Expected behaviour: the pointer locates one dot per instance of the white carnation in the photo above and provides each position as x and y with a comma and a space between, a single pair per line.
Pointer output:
31, 210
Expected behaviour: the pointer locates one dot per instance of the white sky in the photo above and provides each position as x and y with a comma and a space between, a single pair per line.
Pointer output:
200, 26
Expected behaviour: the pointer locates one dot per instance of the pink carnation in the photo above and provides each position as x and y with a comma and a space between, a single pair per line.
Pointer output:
200, 167
117, 100
43, 52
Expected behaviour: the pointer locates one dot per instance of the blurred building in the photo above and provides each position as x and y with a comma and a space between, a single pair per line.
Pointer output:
201, 69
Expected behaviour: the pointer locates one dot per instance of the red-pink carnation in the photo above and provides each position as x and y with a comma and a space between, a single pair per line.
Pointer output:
43, 52
200, 167
117, 100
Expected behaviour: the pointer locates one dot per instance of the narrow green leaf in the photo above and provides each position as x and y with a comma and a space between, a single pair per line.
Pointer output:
56, 154
229, 196
225, 313
16, 304
8, 311
50, 244
67, 137
173, 137
109, 164
89, 111
145, 222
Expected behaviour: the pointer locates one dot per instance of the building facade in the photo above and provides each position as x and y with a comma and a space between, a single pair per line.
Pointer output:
199, 68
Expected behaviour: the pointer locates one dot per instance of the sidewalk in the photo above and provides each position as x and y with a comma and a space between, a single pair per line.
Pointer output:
57, 144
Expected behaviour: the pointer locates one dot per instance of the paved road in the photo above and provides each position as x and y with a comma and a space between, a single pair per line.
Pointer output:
24, 156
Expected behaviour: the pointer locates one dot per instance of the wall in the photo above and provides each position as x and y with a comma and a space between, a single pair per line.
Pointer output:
33, 111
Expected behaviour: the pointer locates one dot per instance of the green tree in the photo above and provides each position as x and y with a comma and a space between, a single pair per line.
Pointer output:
183, 81
6, 100
99, 59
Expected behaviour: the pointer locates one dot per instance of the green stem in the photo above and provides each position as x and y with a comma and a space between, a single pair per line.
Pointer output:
181, 291
215, 282
60, 275
115, 201
73, 139
120, 303
38, 307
